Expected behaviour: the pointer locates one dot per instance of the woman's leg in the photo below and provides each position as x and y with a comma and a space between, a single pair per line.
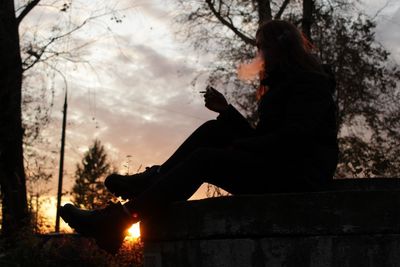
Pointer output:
236, 171
213, 134
228, 169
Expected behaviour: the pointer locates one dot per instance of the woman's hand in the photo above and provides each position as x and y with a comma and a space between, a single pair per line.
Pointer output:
214, 100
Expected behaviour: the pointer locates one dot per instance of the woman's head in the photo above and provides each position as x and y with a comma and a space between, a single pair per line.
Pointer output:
282, 46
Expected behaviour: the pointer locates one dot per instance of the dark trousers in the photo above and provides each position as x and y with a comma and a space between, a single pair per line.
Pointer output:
207, 156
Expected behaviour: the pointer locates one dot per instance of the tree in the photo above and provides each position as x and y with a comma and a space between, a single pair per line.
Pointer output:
18, 56
367, 93
12, 175
89, 191
13, 129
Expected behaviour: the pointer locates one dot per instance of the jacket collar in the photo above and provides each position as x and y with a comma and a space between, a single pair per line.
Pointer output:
278, 76
274, 77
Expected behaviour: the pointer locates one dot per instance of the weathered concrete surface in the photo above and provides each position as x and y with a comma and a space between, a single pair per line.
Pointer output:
325, 213
355, 227
315, 251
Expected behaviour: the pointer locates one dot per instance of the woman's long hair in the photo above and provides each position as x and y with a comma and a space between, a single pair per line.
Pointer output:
282, 47
285, 48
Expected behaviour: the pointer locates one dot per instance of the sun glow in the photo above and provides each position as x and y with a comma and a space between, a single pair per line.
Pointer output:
133, 232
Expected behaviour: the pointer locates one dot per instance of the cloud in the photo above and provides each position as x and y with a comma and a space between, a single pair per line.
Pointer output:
134, 93
141, 105
153, 10
388, 31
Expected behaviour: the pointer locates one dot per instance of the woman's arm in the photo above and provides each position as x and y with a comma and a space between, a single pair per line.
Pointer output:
306, 108
216, 101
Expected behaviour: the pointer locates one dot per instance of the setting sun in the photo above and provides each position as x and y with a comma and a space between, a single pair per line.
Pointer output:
133, 232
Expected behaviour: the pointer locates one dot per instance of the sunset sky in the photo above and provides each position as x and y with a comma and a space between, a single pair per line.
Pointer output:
133, 88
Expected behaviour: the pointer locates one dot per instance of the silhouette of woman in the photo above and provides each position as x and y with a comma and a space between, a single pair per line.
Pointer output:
292, 148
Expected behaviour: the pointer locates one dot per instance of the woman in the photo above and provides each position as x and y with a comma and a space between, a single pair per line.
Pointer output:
292, 148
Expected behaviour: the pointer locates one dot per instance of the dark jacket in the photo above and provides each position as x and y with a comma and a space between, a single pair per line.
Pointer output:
297, 127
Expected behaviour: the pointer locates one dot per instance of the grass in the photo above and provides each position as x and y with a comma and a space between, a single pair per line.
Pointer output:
66, 250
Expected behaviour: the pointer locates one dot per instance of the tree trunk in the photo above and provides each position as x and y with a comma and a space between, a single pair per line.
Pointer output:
308, 9
264, 11
12, 175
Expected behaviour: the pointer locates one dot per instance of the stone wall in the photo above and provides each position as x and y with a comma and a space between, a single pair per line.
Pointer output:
356, 223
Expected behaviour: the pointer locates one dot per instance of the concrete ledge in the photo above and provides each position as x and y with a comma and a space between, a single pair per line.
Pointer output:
324, 213
356, 226
316, 251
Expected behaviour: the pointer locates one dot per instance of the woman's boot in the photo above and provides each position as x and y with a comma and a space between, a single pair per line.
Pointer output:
107, 226
130, 186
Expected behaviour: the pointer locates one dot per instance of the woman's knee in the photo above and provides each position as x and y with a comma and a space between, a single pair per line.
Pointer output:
214, 131
211, 125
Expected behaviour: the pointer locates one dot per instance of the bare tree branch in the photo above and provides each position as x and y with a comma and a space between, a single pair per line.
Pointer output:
381, 9
35, 55
281, 9
229, 24
26, 10
39, 53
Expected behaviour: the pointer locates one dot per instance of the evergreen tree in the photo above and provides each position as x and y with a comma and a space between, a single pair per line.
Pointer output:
89, 191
